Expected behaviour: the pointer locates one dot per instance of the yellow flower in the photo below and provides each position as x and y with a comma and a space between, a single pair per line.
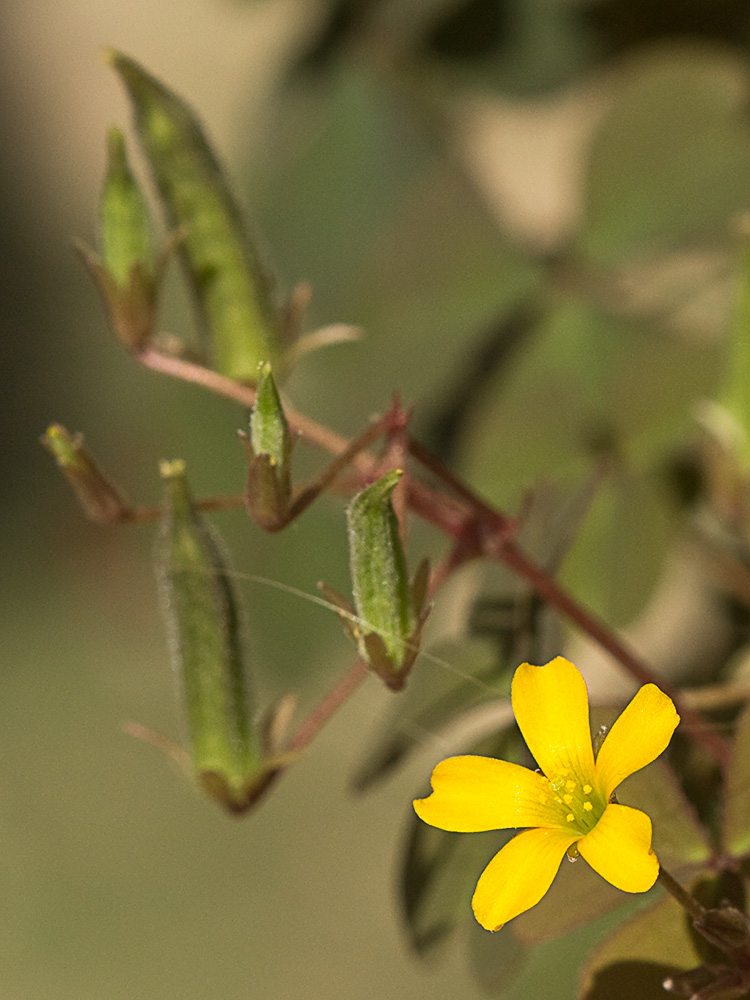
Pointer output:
568, 803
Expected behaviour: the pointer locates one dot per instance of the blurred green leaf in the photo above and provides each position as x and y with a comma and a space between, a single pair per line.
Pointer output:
431, 699
521, 47
679, 839
671, 161
439, 875
362, 202
737, 791
630, 504
735, 391
635, 960
494, 959
440, 870
578, 895
625, 979
589, 382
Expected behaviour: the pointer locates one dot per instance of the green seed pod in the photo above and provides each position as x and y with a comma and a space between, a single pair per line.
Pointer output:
202, 617
268, 451
389, 606
99, 498
129, 272
127, 237
231, 290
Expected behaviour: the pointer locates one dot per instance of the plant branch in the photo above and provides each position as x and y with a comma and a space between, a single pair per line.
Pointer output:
476, 527
683, 897
547, 588
328, 706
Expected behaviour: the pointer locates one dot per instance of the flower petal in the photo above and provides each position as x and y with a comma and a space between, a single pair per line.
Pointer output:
619, 849
640, 734
472, 794
551, 705
518, 876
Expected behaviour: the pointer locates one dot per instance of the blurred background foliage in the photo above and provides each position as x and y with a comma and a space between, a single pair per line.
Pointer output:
530, 207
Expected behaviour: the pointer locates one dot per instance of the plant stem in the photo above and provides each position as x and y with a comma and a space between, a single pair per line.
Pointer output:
683, 897
328, 706
553, 594
476, 526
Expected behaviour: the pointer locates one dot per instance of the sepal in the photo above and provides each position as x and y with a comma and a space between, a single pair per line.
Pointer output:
100, 499
268, 451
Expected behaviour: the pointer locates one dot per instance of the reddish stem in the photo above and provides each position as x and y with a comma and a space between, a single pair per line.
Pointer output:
476, 526
553, 594
329, 705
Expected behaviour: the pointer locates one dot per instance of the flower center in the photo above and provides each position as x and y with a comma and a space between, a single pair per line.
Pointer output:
581, 805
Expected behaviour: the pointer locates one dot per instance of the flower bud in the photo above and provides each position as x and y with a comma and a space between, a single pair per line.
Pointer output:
99, 498
268, 450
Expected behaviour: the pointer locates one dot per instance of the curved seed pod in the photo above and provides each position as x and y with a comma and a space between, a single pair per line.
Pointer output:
389, 606
230, 287
201, 613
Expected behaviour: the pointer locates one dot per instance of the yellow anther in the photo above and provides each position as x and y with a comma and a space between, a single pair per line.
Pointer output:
587, 789
587, 806
567, 799
570, 817
570, 785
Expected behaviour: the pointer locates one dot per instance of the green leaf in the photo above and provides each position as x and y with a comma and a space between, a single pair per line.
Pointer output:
737, 791
449, 273
625, 980
495, 960
577, 896
203, 622
735, 392
589, 381
635, 960
679, 838
671, 161
435, 696
440, 870
229, 285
